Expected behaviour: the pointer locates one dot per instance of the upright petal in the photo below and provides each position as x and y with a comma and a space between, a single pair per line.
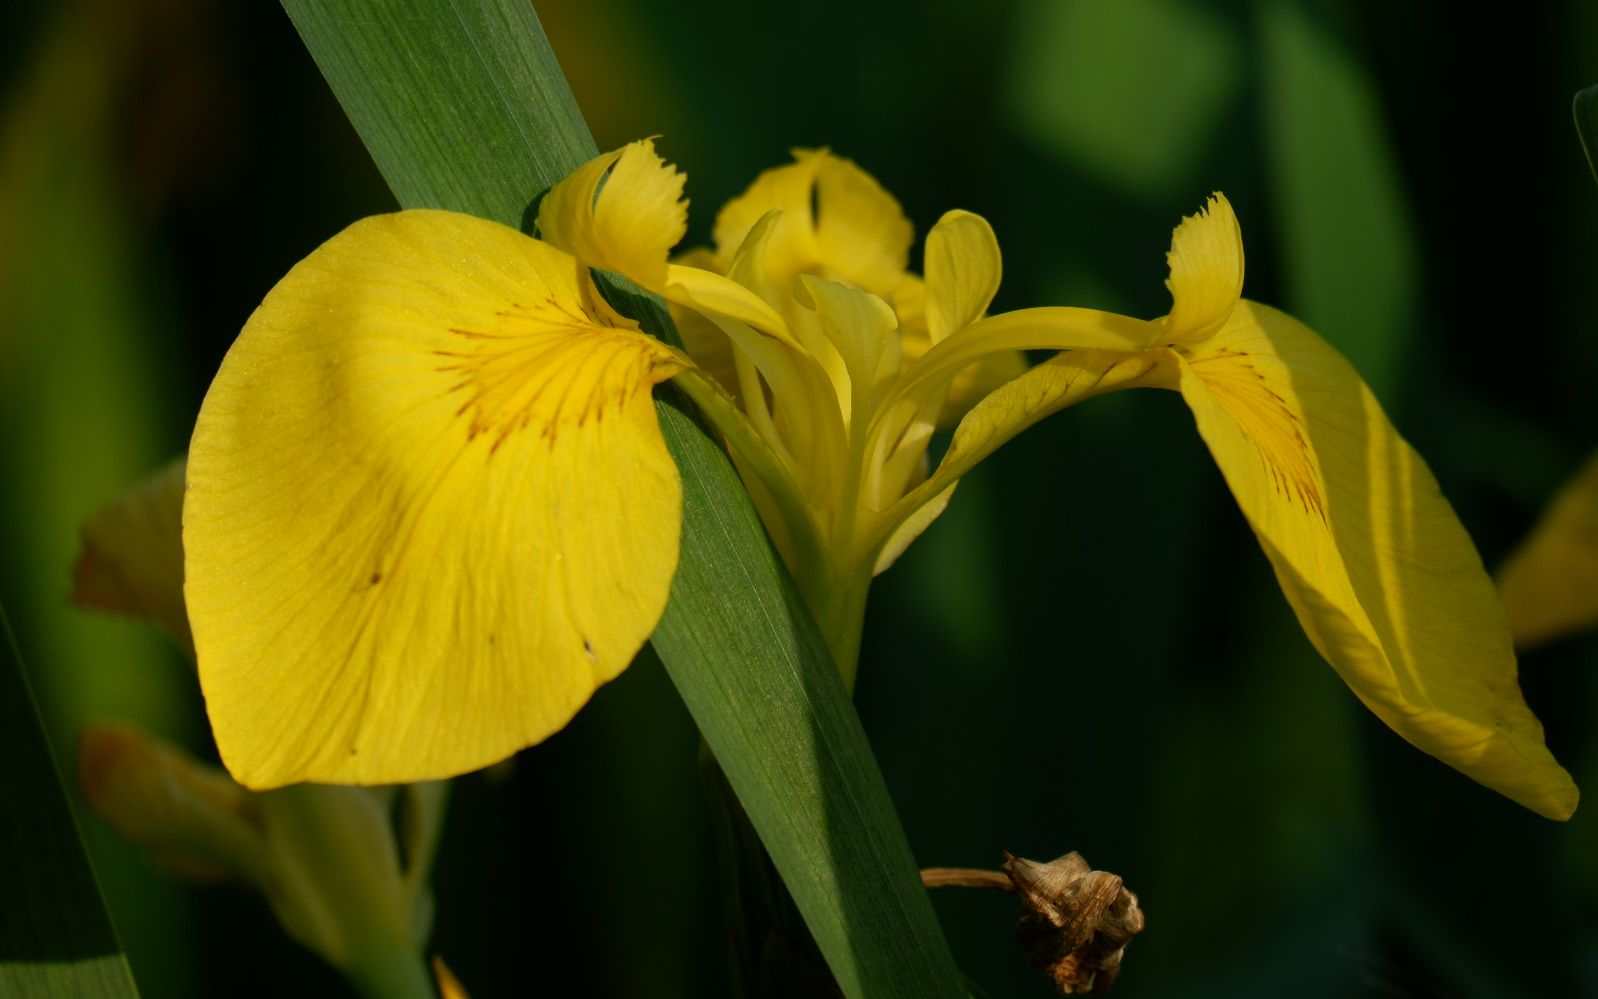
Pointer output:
1206, 262
621, 211
963, 271
788, 191
861, 232
861, 327
429, 507
1550, 583
1377, 568
836, 221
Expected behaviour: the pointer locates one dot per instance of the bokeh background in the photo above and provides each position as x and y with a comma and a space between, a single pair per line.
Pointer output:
1087, 651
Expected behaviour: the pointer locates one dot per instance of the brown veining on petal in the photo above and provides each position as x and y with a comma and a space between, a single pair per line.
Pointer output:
1267, 421
546, 367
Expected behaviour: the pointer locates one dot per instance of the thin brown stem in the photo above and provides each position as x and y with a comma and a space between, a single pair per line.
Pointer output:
966, 877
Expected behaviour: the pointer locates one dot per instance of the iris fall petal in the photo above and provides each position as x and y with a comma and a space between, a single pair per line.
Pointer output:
429, 507
1550, 584
1378, 569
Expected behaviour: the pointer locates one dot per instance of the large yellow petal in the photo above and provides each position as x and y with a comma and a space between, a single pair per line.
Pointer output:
1378, 569
621, 211
856, 233
787, 190
1550, 583
862, 234
429, 507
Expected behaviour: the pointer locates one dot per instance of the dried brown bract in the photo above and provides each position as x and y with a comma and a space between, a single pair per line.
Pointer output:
1075, 921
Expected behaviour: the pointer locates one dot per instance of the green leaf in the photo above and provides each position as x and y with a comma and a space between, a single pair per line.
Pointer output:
1161, 74
1585, 108
55, 936
1348, 244
463, 106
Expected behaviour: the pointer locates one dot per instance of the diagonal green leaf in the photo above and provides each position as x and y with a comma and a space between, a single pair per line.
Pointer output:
463, 106
1585, 108
1348, 245
55, 936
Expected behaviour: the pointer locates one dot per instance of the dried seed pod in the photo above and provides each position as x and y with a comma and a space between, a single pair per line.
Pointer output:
1075, 922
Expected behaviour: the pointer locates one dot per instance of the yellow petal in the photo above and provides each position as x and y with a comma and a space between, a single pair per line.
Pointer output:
767, 468
962, 272
1550, 583
449, 987
857, 232
805, 413
710, 293
861, 232
1206, 262
702, 339
621, 211
1064, 380
1053, 328
132, 557
963, 269
429, 507
787, 190
912, 528
860, 327
709, 347
1377, 568
977, 381
1016, 401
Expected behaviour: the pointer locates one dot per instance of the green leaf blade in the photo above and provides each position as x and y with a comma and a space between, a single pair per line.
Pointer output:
1585, 109
1348, 242
463, 106
55, 936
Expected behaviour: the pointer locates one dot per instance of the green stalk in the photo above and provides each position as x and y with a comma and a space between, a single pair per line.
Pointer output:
838, 602
463, 106
337, 885
387, 969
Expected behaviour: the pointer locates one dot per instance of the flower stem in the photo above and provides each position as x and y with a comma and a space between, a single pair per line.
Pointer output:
336, 881
838, 602
390, 969
966, 877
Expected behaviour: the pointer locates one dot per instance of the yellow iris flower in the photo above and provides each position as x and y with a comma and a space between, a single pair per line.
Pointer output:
430, 509
1550, 582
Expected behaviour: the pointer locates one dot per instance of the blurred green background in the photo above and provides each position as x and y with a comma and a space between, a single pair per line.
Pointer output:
1087, 651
